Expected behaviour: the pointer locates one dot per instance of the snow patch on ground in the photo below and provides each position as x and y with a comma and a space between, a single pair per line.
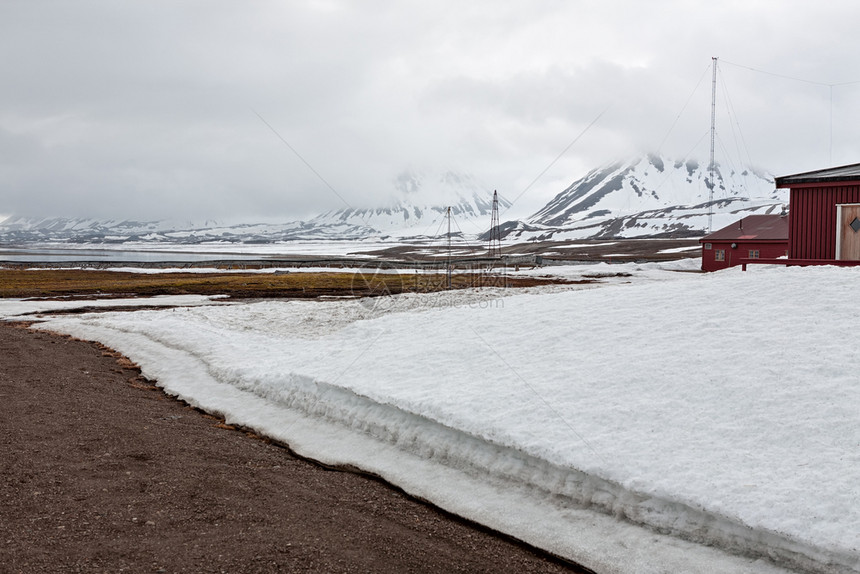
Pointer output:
717, 409
15, 308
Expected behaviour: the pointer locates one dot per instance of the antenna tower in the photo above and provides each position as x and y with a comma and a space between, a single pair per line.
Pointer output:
449, 247
711, 166
495, 248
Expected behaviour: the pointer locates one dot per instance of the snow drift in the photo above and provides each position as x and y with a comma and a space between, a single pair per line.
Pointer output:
658, 403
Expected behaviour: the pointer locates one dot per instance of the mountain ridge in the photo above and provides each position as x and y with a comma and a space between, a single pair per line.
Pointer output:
650, 196
646, 196
421, 205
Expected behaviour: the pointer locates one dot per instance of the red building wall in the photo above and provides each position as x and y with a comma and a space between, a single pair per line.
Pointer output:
812, 219
767, 250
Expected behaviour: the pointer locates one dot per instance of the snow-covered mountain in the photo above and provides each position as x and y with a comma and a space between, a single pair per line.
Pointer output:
85, 226
417, 208
20, 230
420, 205
650, 196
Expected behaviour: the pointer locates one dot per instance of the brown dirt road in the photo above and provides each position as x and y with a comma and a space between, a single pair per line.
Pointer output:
102, 472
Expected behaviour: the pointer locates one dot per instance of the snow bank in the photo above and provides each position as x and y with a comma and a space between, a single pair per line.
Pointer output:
15, 308
716, 408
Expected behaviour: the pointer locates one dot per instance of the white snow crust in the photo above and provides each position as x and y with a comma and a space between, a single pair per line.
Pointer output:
15, 308
666, 422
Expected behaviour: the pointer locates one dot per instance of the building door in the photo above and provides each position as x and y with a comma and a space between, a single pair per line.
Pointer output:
848, 232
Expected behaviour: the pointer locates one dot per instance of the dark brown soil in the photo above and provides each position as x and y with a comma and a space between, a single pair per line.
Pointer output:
581, 250
102, 472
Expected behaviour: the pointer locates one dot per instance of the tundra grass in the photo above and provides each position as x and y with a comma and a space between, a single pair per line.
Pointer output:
92, 283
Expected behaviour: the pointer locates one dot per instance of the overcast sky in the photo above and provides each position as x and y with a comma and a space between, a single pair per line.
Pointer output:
163, 109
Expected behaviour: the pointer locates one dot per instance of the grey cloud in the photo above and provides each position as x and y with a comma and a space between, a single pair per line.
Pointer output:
148, 109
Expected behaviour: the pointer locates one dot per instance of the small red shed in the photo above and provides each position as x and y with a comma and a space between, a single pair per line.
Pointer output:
753, 237
824, 225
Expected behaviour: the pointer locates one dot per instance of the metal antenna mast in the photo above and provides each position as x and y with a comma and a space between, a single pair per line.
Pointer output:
711, 166
449, 247
495, 248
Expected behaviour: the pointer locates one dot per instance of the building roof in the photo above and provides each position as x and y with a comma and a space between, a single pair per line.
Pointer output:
753, 228
842, 173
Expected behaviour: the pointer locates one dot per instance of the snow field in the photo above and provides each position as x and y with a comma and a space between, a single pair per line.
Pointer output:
13, 308
717, 408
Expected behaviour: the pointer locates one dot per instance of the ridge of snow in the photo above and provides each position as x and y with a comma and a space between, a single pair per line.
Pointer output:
651, 183
647, 196
420, 205
530, 411
651, 196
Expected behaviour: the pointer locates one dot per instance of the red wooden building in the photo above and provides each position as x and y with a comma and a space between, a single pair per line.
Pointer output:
753, 237
824, 225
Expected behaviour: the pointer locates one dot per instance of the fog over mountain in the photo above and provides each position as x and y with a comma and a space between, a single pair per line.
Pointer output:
280, 111
420, 206
417, 207
647, 196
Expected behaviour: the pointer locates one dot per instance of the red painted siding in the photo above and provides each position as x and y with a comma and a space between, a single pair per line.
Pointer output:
812, 220
767, 250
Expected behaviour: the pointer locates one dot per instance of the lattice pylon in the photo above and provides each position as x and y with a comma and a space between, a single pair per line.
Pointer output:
495, 247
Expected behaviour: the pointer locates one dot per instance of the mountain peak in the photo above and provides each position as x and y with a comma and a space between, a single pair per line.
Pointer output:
646, 196
640, 195
419, 204
408, 182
